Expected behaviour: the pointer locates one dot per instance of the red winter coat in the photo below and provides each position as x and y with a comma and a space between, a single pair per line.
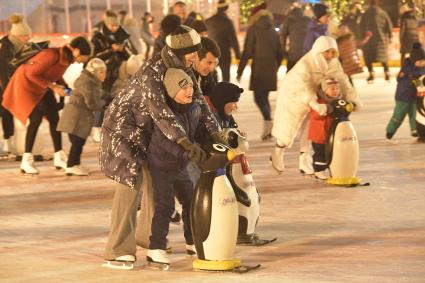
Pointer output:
319, 125
29, 83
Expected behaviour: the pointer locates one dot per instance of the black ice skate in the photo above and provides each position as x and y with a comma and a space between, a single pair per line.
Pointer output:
253, 240
158, 259
125, 262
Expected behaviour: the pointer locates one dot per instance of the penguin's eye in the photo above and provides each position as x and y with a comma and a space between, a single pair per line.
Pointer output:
342, 102
219, 147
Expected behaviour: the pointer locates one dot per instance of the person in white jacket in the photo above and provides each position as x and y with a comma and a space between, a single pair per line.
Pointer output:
299, 94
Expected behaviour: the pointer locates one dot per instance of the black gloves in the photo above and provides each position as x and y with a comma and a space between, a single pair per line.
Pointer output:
195, 153
220, 137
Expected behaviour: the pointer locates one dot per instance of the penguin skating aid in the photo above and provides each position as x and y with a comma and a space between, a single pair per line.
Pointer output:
214, 214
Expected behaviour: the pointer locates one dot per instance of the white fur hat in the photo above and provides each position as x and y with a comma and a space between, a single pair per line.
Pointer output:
95, 64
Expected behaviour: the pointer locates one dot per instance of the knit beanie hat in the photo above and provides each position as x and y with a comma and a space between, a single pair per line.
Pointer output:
174, 80
110, 18
19, 26
169, 23
95, 65
133, 64
223, 93
183, 40
222, 5
320, 10
327, 82
417, 53
83, 44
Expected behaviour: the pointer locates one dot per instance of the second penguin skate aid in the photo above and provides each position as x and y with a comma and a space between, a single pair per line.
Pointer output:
214, 214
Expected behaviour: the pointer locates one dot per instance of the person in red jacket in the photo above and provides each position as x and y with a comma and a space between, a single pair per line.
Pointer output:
320, 124
30, 95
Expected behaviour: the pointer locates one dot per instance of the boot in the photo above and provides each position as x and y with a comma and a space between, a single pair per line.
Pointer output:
190, 249
277, 158
387, 76
321, 175
158, 258
77, 170
96, 134
60, 159
306, 163
370, 78
27, 164
267, 130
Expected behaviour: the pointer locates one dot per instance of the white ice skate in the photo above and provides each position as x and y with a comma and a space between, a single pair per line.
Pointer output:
277, 158
27, 164
321, 175
125, 262
77, 170
158, 259
190, 249
267, 130
97, 131
60, 159
306, 163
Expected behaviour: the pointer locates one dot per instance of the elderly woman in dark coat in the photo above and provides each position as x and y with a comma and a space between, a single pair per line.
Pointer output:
376, 21
262, 45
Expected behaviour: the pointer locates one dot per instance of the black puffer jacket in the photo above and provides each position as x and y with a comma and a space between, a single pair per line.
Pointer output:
294, 28
7, 53
408, 31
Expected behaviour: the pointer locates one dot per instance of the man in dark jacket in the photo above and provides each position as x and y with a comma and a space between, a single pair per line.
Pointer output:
127, 128
204, 67
408, 30
18, 36
318, 25
294, 30
221, 29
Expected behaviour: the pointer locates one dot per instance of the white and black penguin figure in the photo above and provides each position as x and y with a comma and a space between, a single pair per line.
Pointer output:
420, 108
239, 173
214, 213
342, 147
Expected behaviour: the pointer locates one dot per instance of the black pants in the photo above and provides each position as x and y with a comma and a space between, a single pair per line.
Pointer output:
163, 184
224, 64
370, 67
47, 107
319, 158
261, 98
77, 144
7, 122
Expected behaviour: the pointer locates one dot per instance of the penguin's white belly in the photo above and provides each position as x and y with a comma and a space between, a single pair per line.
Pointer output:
246, 184
221, 241
345, 152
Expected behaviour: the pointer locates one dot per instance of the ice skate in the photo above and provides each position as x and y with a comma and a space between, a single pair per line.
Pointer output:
253, 240
306, 163
125, 262
190, 249
387, 76
6, 147
96, 134
371, 78
267, 130
77, 170
321, 175
175, 218
60, 159
27, 164
277, 158
158, 259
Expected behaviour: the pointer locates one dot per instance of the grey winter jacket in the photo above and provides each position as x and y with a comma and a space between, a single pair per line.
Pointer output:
131, 116
262, 45
77, 116
378, 22
294, 28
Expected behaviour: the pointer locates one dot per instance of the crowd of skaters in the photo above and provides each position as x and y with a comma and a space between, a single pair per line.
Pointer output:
172, 91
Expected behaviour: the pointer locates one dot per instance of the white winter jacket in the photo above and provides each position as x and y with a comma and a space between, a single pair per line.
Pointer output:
299, 89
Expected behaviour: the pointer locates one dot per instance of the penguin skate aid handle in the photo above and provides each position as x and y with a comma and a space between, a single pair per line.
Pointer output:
218, 156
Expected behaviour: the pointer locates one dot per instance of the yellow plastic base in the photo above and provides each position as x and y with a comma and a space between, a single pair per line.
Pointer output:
343, 181
218, 265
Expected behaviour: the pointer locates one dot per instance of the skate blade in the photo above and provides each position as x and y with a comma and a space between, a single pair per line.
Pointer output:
256, 242
240, 269
158, 266
122, 265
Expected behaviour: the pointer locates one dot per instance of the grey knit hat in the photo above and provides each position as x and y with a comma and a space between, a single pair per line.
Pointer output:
183, 40
174, 80
19, 27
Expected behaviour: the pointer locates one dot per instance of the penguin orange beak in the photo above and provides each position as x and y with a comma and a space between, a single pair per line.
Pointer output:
349, 107
231, 154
